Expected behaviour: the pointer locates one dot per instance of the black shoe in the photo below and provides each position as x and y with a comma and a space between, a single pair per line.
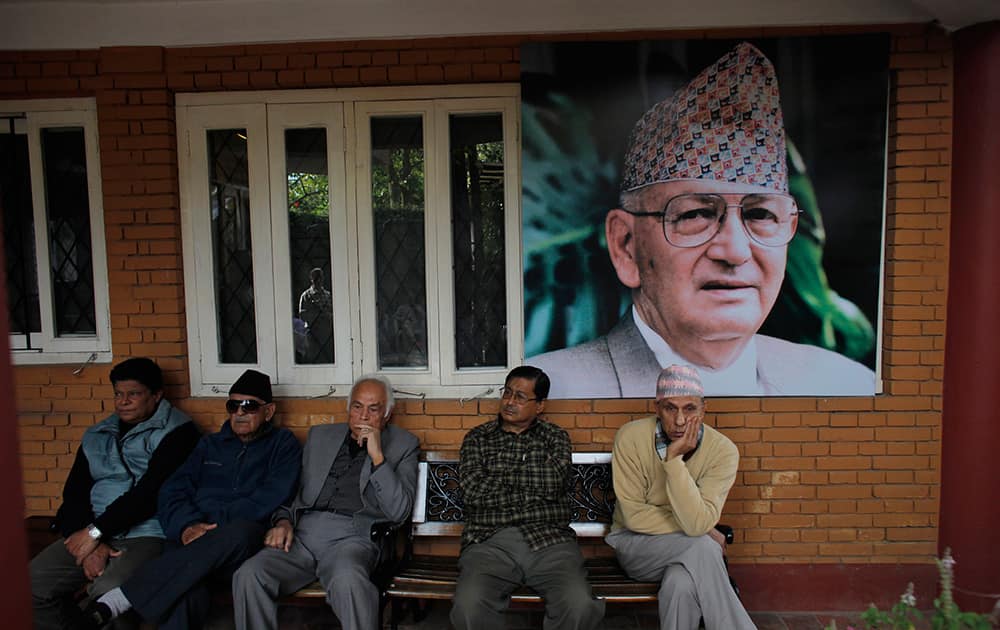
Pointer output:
95, 616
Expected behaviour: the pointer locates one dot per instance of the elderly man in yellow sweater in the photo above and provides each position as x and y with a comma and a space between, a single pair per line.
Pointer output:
672, 474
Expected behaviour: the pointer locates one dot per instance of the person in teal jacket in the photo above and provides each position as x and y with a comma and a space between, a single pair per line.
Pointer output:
108, 515
214, 510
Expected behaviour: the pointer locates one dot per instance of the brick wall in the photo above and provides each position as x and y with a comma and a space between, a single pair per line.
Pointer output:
846, 480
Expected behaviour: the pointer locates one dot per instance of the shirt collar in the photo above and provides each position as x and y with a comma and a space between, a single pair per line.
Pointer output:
497, 425
738, 379
353, 448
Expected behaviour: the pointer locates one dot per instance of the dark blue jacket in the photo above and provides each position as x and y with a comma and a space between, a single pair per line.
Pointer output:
225, 480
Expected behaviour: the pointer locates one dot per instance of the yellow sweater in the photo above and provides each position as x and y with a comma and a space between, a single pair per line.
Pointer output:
658, 497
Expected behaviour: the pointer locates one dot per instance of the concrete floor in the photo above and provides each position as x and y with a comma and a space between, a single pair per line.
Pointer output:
617, 618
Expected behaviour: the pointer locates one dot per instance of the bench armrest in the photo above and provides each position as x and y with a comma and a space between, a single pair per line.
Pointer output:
393, 543
382, 529
726, 531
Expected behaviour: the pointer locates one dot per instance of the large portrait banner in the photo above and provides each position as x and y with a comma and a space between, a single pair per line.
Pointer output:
712, 203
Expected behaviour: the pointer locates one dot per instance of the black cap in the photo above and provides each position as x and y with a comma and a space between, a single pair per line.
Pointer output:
253, 383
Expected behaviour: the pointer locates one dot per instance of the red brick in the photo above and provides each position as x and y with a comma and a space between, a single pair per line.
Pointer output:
413, 57
357, 59
302, 61
273, 62
263, 79
430, 74
346, 76
373, 76
458, 72
131, 59
402, 74
246, 63
219, 64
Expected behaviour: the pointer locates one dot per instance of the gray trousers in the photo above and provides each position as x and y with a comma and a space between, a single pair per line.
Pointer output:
692, 575
490, 571
55, 579
326, 547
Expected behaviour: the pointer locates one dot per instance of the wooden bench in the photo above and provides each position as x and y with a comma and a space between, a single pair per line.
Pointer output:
41, 533
438, 513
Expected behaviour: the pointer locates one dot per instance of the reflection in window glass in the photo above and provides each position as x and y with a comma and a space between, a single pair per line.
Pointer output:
398, 215
67, 208
19, 234
229, 192
308, 191
477, 214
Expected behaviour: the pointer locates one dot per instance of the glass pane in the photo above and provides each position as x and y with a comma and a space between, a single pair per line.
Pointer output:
477, 215
229, 192
308, 189
19, 233
398, 208
67, 206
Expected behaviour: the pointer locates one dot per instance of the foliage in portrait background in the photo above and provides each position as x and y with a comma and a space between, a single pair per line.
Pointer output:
579, 102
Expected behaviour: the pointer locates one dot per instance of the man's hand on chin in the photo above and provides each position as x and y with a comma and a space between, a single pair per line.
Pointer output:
687, 443
370, 436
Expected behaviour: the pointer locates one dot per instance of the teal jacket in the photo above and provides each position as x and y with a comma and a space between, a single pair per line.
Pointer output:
116, 469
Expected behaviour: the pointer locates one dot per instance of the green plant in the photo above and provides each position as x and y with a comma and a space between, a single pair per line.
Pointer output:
904, 614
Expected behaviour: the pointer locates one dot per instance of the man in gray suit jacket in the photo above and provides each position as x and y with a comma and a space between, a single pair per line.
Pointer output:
353, 474
701, 239
618, 365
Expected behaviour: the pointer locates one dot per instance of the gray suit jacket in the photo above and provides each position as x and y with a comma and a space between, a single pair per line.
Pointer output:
621, 365
386, 494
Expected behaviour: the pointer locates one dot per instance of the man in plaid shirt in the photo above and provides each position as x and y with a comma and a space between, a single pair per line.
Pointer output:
514, 474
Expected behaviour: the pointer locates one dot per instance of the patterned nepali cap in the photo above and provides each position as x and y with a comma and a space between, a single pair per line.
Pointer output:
678, 380
724, 125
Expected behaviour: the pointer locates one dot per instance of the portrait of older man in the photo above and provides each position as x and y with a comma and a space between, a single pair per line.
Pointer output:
700, 240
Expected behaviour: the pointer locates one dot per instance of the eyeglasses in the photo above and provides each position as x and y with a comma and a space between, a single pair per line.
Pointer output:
693, 219
518, 398
248, 406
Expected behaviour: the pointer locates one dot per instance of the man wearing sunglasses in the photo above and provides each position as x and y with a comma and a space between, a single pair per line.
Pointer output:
354, 474
701, 239
514, 474
214, 510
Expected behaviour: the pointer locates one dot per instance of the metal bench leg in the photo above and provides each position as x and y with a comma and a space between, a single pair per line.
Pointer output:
395, 613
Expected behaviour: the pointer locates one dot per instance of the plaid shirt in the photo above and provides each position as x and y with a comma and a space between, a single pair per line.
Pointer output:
517, 480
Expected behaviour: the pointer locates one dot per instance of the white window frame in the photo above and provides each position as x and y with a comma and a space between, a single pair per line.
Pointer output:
351, 233
196, 227
343, 268
451, 374
46, 346
364, 113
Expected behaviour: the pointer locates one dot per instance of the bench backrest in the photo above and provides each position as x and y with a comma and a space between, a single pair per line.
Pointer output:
437, 508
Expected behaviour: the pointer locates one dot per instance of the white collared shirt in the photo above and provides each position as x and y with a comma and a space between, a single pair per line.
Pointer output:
737, 379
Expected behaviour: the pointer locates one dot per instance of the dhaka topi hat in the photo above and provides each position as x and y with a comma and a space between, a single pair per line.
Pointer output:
678, 380
253, 383
725, 125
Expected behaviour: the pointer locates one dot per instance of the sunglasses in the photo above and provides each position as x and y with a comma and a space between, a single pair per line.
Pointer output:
248, 406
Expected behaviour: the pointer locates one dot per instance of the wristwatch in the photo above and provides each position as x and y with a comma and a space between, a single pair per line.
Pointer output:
93, 532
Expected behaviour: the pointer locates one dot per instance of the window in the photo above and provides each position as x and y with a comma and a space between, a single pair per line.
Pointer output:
57, 279
332, 233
